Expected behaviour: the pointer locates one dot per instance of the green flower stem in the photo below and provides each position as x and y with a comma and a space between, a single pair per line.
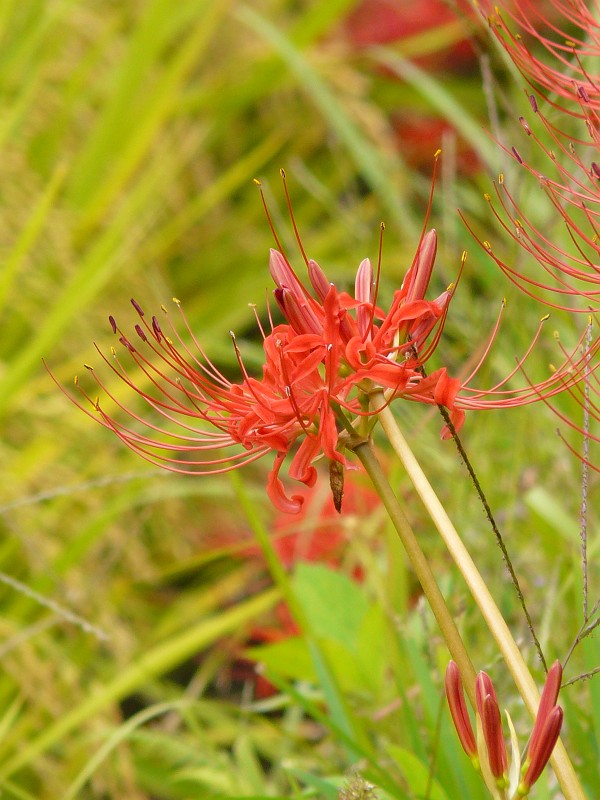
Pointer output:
524, 682
364, 451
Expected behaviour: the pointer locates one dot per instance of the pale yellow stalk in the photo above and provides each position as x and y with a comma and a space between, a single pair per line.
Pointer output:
524, 682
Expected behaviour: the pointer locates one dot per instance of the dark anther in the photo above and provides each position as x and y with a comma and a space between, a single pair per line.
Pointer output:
515, 153
127, 344
113, 323
582, 92
140, 333
137, 307
533, 103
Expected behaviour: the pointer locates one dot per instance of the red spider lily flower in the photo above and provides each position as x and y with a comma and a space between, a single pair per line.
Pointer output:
387, 349
572, 184
573, 278
256, 416
545, 732
570, 275
568, 34
319, 369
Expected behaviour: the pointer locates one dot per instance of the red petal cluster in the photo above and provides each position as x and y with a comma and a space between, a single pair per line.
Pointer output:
319, 368
387, 350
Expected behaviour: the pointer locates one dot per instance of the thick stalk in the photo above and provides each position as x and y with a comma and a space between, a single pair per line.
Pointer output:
425, 576
524, 682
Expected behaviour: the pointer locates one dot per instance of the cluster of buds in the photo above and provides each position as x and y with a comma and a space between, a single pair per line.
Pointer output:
487, 750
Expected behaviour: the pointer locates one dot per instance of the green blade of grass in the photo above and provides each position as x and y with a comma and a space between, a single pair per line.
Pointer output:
371, 163
155, 662
440, 99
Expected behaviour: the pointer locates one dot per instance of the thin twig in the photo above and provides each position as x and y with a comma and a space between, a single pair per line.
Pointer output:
62, 612
488, 512
587, 626
583, 677
585, 473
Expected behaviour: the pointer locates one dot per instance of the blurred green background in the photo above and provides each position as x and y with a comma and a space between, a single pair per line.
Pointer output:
130, 133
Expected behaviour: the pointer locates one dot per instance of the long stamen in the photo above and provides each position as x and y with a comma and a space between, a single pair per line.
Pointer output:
291, 213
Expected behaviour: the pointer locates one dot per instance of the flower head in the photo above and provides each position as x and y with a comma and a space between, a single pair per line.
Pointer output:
320, 366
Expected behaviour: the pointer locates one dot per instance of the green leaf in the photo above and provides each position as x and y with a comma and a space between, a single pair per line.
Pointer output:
417, 774
335, 606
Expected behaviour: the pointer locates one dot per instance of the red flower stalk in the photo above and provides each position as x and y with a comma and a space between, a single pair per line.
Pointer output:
568, 35
545, 732
320, 366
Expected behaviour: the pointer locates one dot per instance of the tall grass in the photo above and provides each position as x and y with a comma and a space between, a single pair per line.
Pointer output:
130, 135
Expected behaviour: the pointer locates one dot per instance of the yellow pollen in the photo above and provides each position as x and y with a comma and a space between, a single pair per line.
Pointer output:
382, 226
450, 287
256, 182
176, 301
556, 335
76, 380
282, 173
487, 245
545, 317
518, 223
88, 366
164, 308
590, 321
501, 178
487, 197
437, 153
463, 258
113, 352
168, 341
570, 43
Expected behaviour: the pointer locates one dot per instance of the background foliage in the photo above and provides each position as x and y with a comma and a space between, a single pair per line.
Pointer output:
130, 135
